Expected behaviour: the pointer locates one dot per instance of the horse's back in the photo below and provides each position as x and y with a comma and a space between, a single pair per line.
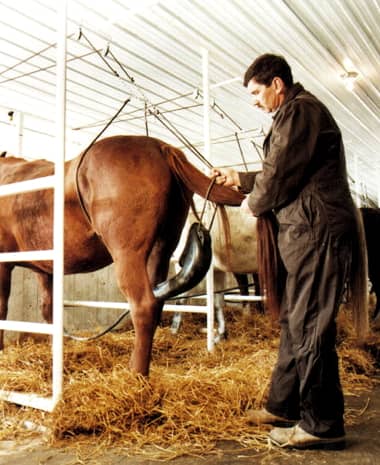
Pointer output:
15, 169
26, 219
22, 214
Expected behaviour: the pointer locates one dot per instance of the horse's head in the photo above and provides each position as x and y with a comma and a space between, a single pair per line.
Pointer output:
3, 154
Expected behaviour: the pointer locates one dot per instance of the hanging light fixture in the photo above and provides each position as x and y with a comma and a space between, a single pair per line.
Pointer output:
350, 75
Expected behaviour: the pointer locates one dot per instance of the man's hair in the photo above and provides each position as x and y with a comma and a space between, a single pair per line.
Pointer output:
266, 67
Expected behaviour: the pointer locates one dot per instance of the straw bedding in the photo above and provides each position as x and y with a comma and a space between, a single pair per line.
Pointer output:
192, 399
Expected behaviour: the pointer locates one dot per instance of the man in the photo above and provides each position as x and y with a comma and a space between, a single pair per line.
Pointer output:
304, 182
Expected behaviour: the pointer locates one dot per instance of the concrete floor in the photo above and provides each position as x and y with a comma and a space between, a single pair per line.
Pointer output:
363, 448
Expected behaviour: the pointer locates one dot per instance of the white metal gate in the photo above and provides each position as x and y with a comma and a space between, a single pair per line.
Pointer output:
56, 254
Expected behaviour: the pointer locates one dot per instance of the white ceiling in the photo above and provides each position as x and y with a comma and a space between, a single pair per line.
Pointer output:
159, 45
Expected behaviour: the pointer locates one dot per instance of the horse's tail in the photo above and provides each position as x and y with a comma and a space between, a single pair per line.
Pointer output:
358, 281
226, 229
271, 270
196, 181
272, 273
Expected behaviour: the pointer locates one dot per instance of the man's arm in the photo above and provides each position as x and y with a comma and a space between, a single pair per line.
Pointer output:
244, 181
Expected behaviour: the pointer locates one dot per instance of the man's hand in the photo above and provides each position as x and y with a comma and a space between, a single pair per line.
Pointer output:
226, 176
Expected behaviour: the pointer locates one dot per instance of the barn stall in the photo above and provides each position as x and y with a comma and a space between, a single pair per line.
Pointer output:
174, 57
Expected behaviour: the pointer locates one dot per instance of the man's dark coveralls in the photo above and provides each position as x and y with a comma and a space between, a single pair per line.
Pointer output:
304, 181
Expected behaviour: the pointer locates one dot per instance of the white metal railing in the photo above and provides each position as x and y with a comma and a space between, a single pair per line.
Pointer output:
27, 186
27, 256
207, 153
26, 326
29, 399
126, 306
56, 255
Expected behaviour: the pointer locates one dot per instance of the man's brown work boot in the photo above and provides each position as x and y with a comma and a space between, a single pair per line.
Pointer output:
298, 438
263, 417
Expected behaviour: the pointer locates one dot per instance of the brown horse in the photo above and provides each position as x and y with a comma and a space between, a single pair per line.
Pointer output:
126, 201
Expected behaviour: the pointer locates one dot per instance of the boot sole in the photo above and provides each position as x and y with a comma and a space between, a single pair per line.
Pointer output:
324, 444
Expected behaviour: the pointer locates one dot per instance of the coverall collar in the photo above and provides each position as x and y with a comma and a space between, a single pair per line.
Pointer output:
290, 95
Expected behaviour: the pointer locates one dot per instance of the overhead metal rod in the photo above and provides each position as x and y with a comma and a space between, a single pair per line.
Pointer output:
173, 110
232, 138
81, 34
25, 60
46, 68
181, 137
136, 110
225, 114
224, 83
241, 151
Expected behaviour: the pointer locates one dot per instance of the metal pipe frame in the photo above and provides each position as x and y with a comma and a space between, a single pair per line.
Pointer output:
56, 181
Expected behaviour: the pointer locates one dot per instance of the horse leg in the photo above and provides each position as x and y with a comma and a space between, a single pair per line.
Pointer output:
5, 289
45, 282
256, 284
242, 280
219, 284
138, 288
133, 280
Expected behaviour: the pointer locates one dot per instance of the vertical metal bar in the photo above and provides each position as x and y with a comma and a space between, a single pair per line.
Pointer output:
358, 187
207, 154
59, 201
20, 133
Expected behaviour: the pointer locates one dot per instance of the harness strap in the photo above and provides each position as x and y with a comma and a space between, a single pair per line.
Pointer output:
165, 122
81, 34
146, 118
241, 151
209, 189
101, 333
80, 197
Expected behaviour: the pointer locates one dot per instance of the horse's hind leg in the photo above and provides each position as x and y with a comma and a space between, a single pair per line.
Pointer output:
256, 283
45, 282
134, 282
5, 289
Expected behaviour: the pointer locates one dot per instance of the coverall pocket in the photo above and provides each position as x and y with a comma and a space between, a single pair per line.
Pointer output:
296, 244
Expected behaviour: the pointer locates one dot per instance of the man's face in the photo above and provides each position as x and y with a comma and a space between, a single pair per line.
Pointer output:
266, 98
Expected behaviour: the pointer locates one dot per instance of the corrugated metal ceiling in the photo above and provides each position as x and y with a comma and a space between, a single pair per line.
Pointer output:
159, 45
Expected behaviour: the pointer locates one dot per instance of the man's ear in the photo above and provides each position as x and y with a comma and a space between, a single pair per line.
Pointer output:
279, 85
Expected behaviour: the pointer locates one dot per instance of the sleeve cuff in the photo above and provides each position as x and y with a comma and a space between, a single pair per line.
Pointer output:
247, 180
